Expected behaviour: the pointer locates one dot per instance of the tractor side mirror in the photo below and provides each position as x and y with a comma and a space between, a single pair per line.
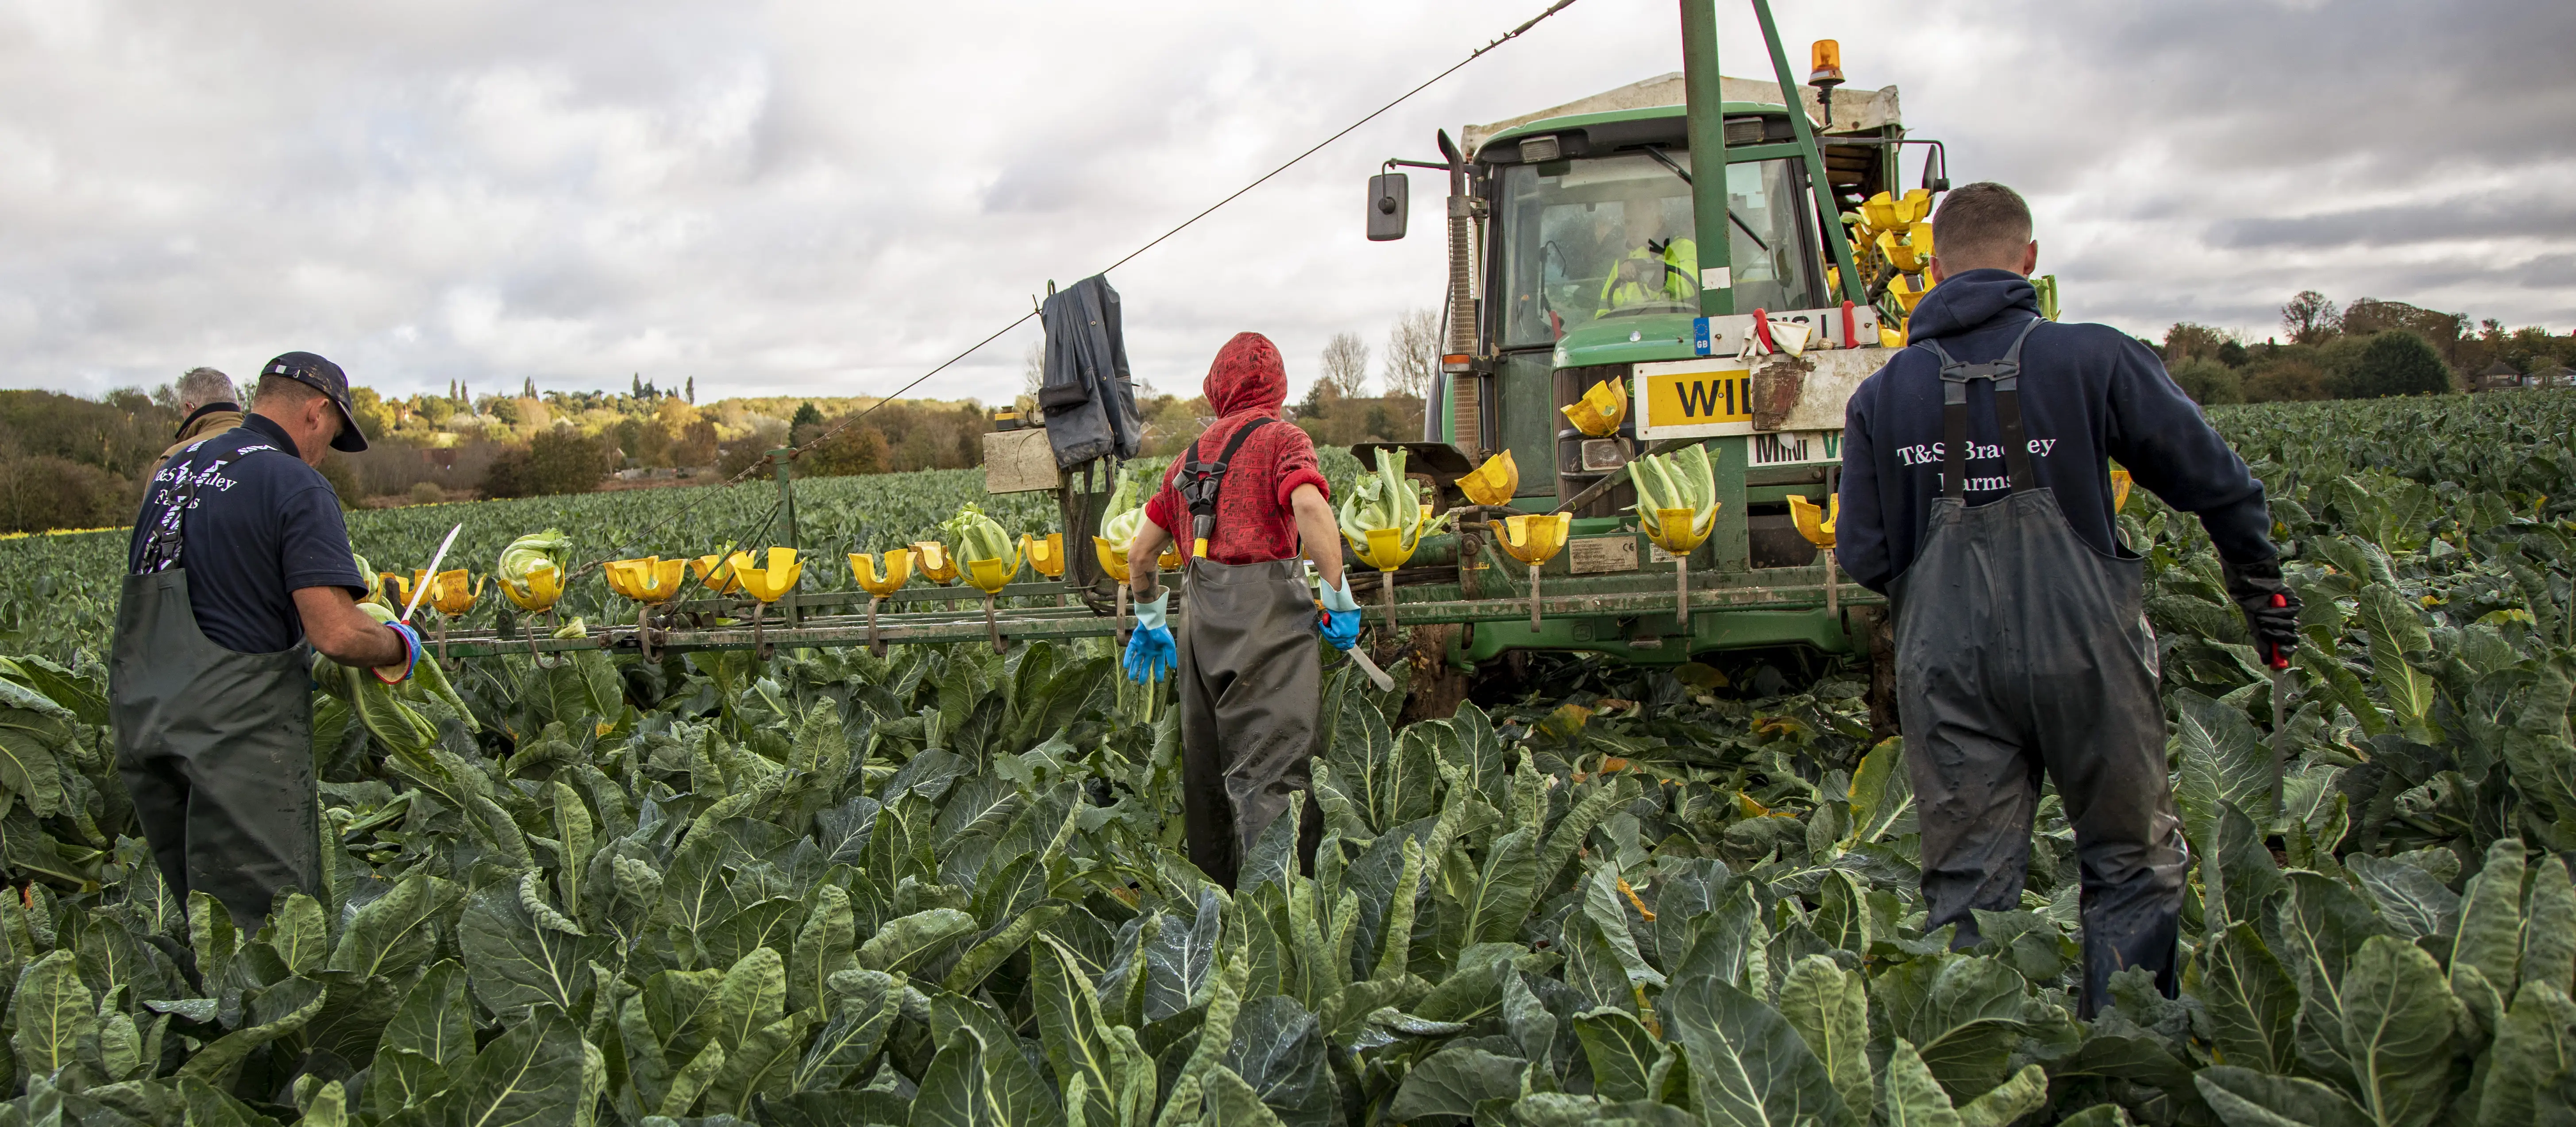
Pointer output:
1386, 208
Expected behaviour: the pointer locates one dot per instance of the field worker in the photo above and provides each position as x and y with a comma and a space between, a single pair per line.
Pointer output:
1655, 270
1248, 497
208, 404
238, 559
1976, 495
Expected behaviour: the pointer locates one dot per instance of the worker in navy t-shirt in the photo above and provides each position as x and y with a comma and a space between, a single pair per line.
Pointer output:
238, 560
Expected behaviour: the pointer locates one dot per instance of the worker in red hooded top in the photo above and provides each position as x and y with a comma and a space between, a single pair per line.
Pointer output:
1249, 500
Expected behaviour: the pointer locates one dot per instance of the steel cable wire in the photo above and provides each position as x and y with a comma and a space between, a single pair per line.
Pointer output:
798, 450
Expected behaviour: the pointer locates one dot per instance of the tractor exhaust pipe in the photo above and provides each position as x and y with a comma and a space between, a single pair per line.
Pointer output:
1465, 398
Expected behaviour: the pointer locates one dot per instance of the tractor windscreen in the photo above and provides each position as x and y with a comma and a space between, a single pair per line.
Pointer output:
1606, 238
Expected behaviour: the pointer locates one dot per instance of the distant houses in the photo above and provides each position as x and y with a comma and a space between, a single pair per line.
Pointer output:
2500, 375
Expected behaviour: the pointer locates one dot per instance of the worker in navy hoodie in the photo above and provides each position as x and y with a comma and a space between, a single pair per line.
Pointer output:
1976, 494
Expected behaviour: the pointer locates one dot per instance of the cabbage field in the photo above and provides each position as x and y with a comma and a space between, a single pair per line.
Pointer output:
944, 888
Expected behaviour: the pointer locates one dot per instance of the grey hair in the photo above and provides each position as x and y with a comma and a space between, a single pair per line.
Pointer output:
202, 386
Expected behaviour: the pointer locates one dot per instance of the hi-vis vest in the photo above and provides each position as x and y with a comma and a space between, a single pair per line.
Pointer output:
1680, 258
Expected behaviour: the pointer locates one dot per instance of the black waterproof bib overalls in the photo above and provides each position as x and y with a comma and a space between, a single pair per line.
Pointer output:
2020, 648
1250, 686
215, 746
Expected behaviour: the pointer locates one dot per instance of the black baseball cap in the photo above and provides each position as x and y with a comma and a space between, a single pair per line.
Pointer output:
326, 377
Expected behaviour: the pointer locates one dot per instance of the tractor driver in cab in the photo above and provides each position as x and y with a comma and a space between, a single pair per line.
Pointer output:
1656, 270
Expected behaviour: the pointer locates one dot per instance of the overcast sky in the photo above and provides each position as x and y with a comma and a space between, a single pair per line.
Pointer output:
829, 198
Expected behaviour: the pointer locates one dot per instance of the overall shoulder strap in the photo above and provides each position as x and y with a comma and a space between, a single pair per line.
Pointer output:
2005, 374
1202, 482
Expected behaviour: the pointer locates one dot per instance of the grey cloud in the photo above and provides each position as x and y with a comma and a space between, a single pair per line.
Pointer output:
2204, 160
2514, 214
832, 198
2380, 83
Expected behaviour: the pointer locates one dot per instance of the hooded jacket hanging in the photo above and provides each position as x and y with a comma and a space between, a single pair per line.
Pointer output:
1086, 397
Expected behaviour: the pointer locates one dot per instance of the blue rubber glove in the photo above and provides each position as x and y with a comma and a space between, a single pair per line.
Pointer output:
1341, 617
1151, 653
411, 648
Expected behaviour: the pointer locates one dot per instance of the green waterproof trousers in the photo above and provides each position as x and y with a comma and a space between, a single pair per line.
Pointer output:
1251, 687
217, 749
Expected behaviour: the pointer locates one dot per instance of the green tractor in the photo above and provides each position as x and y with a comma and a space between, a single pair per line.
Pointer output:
1682, 260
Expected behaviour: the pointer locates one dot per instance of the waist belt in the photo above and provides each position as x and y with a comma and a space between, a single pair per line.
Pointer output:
1201, 482
2006, 375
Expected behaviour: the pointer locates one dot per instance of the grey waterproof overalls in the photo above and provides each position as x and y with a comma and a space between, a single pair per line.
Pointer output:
1250, 685
2020, 648
215, 746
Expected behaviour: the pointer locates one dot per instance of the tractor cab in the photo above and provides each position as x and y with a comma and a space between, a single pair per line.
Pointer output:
1599, 245
1577, 271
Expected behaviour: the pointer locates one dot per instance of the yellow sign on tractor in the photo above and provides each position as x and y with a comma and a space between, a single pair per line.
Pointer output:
1695, 398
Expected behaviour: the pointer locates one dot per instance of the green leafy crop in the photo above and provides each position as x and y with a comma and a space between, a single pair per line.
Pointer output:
947, 887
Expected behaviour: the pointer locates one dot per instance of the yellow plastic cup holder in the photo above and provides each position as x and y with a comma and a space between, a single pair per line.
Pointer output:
1494, 483
1909, 289
396, 586
1815, 522
545, 585
772, 582
1675, 532
990, 576
452, 594
1598, 413
1879, 212
649, 580
1044, 553
1533, 539
935, 563
1915, 206
1907, 257
1384, 548
716, 574
1113, 558
897, 571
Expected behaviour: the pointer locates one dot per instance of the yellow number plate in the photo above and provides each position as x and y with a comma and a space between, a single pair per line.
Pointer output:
1694, 399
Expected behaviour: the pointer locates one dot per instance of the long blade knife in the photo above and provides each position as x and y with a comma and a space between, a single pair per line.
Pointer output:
1376, 675
431, 576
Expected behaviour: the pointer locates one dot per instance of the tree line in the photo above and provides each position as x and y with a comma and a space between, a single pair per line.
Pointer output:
67, 461
2367, 349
